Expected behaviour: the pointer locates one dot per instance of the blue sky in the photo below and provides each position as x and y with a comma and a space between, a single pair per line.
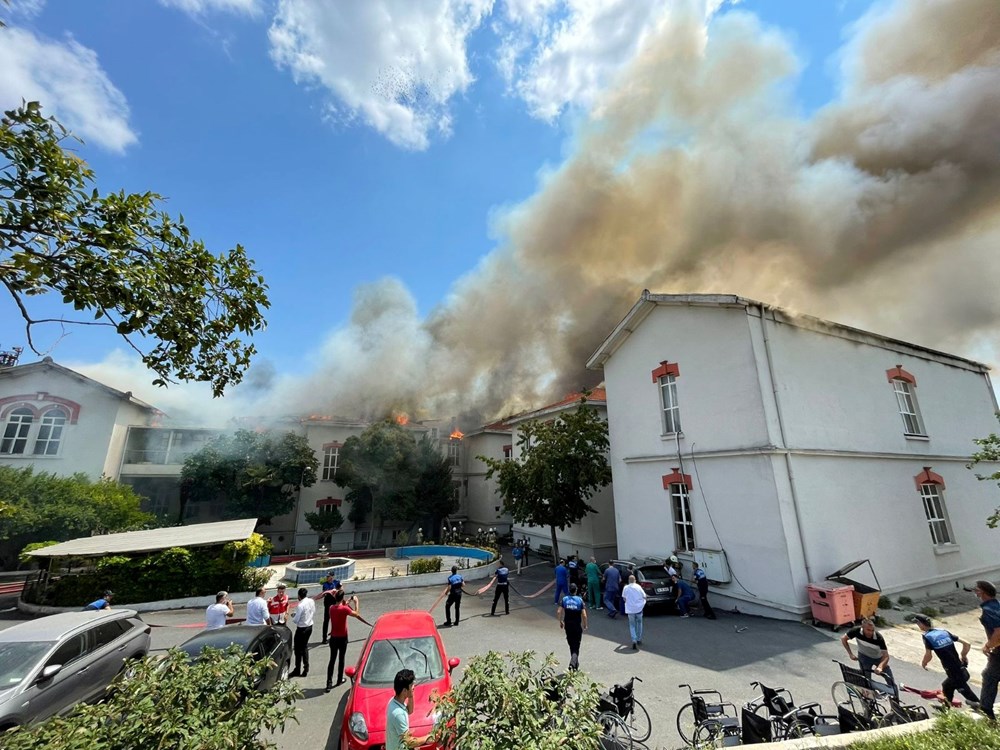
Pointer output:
342, 142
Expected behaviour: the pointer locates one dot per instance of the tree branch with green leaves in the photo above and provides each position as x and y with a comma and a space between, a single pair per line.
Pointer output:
119, 261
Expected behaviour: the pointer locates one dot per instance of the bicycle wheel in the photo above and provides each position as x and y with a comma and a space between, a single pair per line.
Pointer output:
638, 722
686, 723
614, 733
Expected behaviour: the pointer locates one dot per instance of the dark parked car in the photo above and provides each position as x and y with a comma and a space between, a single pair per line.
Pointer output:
49, 665
654, 581
263, 641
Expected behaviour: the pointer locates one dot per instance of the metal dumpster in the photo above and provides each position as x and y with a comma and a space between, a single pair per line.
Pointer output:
831, 603
865, 597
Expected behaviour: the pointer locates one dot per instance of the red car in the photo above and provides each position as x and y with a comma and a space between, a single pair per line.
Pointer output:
399, 640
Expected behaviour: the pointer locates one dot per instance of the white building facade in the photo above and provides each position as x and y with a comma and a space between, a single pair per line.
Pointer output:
778, 448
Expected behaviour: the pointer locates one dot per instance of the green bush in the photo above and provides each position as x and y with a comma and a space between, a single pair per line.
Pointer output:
25, 558
952, 731
505, 701
425, 565
169, 574
930, 612
904, 601
884, 602
173, 703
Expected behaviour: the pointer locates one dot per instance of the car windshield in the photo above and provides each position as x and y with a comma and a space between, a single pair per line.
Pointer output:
17, 659
387, 657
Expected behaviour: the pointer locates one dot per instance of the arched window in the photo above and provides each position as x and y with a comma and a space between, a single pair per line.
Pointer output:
679, 487
665, 376
904, 385
50, 432
931, 487
15, 435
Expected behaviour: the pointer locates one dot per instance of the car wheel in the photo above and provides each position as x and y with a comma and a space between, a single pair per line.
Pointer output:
286, 668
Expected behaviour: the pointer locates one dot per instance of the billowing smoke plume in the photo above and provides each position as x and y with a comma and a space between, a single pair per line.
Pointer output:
695, 173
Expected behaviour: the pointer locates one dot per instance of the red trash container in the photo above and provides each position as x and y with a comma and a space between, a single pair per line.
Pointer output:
832, 603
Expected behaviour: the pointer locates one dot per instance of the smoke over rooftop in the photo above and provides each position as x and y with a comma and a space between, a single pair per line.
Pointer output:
696, 173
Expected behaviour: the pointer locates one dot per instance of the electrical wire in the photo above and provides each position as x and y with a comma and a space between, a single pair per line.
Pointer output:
712, 521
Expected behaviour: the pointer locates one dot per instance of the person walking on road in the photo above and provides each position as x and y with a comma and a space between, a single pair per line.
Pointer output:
518, 553
593, 571
635, 602
572, 616
257, 609
339, 613
990, 619
217, 614
303, 619
701, 580
685, 595
562, 580
502, 587
956, 668
612, 585
456, 587
873, 654
329, 588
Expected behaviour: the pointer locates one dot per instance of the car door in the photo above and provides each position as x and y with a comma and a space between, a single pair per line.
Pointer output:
273, 649
68, 687
107, 653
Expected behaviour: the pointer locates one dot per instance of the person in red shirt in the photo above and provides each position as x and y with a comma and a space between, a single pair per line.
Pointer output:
339, 613
277, 606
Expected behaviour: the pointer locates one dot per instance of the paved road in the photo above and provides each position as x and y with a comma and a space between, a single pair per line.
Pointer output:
701, 652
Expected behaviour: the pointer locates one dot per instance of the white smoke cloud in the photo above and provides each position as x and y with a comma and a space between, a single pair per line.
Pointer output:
695, 173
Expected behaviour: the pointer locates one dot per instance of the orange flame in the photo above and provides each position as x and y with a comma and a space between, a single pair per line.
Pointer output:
456, 434
402, 418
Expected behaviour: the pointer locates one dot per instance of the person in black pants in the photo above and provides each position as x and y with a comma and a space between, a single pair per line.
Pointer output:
956, 668
701, 579
330, 587
572, 616
502, 585
303, 619
456, 585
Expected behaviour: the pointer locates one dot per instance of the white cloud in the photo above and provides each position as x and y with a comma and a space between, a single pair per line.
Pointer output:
68, 80
559, 53
27, 8
203, 7
394, 64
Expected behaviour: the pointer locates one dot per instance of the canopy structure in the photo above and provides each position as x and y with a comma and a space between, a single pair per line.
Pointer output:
196, 535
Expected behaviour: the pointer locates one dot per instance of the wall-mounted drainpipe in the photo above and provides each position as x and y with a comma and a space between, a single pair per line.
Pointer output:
784, 443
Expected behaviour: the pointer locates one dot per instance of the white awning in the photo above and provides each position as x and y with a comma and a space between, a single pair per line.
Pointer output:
196, 535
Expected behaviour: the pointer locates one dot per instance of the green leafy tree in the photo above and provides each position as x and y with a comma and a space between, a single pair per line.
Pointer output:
175, 702
255, 473
326, 522
119, 261
506, 701
46, 507
989, 452
434, 495
562, 463
392, 476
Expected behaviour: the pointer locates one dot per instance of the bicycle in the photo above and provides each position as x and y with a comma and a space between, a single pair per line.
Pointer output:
870, 705
701, 722
622, 701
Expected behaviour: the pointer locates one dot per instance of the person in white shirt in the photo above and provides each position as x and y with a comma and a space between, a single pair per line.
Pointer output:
257, 609
635, 602
216, 614
303, 619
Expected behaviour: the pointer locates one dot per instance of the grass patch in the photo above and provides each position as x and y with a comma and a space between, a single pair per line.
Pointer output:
930, 612
884, 602
953, 731
904, 601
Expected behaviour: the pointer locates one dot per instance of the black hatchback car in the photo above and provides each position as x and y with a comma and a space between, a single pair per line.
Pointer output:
263, 641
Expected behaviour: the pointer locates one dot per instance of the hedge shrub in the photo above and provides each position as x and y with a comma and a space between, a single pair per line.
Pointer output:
425, 565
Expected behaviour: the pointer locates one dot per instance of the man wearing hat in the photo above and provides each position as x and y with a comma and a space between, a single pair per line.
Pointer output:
956, 668
277, 606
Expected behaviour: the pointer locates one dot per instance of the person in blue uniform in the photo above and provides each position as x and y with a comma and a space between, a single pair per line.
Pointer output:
456, 587
612, 585
572, 616
685, 595
562, 580
502, 587
956, 668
